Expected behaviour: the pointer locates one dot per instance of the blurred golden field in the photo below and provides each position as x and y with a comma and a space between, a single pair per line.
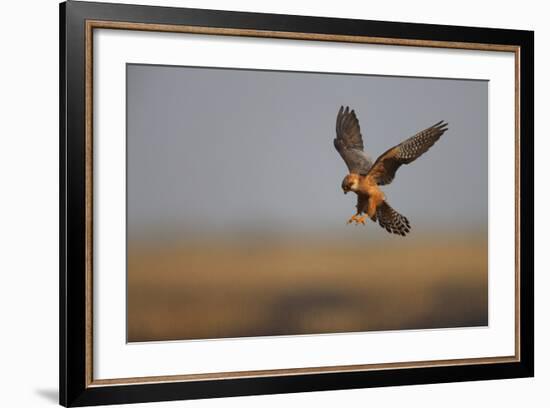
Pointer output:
217, 287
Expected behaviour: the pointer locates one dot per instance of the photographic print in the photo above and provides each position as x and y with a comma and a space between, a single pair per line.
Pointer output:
258, 204
278, 203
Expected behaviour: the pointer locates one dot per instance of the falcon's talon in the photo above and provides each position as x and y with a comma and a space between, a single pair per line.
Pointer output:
361, 220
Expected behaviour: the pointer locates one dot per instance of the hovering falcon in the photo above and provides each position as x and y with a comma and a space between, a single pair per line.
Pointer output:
364, 176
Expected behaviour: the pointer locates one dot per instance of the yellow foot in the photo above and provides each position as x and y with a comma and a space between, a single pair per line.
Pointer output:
353, 219
361, 219
357, 219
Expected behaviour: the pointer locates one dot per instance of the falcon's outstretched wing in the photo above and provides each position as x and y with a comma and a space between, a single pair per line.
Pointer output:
349, 142
384, 168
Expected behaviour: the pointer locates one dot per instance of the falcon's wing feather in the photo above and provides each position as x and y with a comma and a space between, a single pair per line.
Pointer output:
384, 168
349, 142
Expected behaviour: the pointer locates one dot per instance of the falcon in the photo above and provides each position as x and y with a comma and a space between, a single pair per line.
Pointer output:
365, 177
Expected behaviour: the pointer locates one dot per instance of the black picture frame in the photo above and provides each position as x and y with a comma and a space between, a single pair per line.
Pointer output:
74, 298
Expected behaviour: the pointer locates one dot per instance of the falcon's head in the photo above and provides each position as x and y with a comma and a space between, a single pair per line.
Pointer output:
350, 183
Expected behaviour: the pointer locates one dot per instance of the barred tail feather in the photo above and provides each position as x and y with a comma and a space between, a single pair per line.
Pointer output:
391, 220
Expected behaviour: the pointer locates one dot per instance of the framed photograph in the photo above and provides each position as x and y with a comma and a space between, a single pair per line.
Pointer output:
257, 204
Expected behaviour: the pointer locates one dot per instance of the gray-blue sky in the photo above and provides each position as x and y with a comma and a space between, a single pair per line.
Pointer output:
219, 149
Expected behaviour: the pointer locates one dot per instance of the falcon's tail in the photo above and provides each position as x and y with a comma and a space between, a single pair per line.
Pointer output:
391, 220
